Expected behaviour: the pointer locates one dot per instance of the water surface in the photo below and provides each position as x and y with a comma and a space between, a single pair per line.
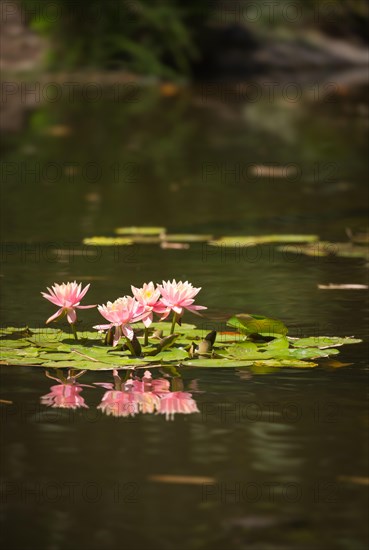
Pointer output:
285, 452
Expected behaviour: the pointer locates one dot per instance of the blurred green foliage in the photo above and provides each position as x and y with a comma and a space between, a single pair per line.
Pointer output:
168, 37
144, 36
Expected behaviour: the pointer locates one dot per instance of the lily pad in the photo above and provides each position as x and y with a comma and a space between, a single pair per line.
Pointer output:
292, 363
107, 241
187, 238
214, 363
53, 348
176, 354
23, 361
323, 341
244, 240
140, 230
257, 324
325, 248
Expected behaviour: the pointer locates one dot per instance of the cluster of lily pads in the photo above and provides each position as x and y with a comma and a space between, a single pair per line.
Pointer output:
309, 245
134, 339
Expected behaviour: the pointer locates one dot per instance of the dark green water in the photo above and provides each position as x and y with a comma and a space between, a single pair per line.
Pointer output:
283, 450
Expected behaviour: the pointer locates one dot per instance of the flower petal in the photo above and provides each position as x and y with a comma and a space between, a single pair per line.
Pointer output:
52, 299
117, 336
128, 331
148, 320
56, 315
71, 315
103, 327
82, 293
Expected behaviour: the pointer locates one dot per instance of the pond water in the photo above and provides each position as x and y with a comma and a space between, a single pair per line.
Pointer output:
272, 460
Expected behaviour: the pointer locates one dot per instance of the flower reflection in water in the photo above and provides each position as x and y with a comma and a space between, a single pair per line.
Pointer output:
65, 394
124, 397
177, 402
145, 395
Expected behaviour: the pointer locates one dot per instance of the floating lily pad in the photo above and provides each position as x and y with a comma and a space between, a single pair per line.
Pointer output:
323, 341
257, 324
214, 363
187, 238
305, 353
23, 361
243, 240
350, 286
140, 230
325, 248
145, 239
176, 354
107, 241
261, 343
16, 344
292, 363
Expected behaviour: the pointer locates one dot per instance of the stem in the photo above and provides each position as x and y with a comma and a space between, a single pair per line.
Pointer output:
129, 346
74, 330
136, 346
146, 336
174, 320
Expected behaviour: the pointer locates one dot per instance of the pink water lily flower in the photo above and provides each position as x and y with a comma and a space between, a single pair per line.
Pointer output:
67, 297
178, 297
121, 314
149, 297
177, 402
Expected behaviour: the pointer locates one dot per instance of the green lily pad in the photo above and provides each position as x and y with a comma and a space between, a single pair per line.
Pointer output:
277, 345
257, 324
57, 349
323, 341
16, 344
107, 241
54, 356
305, 353
243, 240
140, 230
325, 248
187, 238
214, 363
23, 361
294, 363
176, 354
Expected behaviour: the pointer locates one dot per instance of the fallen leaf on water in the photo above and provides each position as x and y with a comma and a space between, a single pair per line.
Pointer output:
337, 364
355, 479
169, 89
73, 252
358, 238
58, 131
332, 286
263, 171
71, 170
176, 246
186, 480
